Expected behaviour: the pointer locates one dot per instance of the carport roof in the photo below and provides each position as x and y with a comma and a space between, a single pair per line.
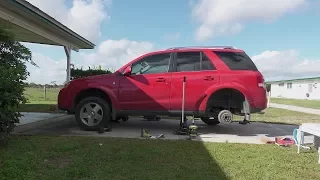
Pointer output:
29, 24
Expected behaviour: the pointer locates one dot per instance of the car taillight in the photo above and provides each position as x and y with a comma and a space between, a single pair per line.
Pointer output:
260, 81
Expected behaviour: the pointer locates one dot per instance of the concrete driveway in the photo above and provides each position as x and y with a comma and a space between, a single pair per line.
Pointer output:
66, 125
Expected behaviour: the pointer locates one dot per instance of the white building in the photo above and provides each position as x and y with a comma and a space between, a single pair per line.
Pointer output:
308, 88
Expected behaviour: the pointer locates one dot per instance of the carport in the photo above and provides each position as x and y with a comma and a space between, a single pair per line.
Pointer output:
29, 24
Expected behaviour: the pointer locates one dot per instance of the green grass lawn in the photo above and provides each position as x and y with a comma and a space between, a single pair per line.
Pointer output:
282, 116
297, 102
28, 157
36, 101
37, 94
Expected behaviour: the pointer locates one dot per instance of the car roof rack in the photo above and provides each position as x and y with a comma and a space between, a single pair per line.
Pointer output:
202, 47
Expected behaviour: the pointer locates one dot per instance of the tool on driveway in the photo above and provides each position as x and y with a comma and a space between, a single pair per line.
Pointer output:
285, 141
193, 130
145, 133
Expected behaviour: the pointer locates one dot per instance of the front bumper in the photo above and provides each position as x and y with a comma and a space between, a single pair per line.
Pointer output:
63, 100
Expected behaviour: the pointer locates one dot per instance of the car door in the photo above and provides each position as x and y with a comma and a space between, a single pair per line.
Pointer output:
200, 74
148, 86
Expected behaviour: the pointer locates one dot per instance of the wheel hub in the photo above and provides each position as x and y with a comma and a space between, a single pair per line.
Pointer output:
91, 114
225, 116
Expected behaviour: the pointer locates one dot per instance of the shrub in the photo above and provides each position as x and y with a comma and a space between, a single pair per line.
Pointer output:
80, 73
13, 72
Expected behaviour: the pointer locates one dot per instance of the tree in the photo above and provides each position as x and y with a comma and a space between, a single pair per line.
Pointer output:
13, 73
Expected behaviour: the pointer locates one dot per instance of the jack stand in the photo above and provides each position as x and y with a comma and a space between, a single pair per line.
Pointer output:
247, 115
102, 128
244, 121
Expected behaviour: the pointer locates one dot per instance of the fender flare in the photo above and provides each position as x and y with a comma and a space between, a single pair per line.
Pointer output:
214, 88
114, 100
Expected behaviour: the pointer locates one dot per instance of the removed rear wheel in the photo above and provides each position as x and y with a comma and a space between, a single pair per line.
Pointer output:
91, 112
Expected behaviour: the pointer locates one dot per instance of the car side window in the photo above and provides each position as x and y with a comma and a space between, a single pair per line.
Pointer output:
158, 63
193, 61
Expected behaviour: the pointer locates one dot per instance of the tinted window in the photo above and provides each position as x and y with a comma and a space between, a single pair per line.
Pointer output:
152, 64
237, 60
193, 61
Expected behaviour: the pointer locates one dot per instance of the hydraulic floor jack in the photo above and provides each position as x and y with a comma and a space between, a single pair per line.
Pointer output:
183, 128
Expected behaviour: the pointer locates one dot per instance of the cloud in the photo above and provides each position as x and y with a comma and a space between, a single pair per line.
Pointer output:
110, 54
277, 65
116, 53
225, 17
84, 17
49, 69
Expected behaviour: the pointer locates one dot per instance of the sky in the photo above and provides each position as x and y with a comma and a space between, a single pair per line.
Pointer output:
281, 37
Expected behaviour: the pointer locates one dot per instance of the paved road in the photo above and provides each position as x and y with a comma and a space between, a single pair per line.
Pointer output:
233, 133
296, 108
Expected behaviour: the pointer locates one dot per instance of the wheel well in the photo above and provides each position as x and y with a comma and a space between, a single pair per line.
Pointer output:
92, 92
228, 98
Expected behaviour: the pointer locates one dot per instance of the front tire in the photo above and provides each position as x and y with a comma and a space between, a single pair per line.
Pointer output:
210, 121
92, 113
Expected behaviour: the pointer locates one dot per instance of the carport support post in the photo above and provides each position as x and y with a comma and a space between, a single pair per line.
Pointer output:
67, 50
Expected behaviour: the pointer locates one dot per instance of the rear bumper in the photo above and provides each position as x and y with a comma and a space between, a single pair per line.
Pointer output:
258, 105
259, 100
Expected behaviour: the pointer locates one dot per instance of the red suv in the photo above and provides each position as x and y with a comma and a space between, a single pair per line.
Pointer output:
217, 78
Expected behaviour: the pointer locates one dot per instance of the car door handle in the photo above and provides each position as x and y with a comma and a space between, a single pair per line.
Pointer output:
208, 78
161, 80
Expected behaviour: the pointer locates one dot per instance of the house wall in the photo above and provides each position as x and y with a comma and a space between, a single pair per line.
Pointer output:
298, 90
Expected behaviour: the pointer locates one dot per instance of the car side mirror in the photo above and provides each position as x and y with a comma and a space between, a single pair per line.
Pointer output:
127, 71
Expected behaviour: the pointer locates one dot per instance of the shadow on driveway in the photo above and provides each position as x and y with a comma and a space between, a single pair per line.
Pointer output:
236, 133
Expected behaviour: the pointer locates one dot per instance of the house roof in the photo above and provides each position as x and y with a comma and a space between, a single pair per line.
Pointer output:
29, 24
295, 80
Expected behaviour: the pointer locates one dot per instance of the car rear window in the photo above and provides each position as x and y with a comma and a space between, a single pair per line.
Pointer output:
237, 60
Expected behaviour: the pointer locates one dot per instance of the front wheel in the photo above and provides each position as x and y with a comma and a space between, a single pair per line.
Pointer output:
92, 112
210, 120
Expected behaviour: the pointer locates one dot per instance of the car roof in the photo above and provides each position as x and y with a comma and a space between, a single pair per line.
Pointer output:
187, 48
201, 47
198, 48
